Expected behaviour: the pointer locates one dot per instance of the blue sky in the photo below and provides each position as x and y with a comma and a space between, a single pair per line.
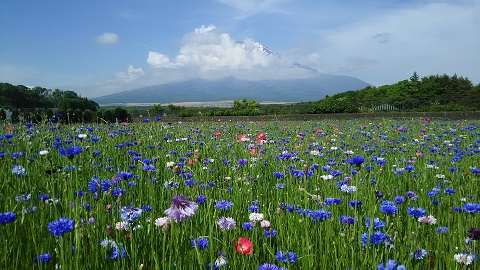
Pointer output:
101, 47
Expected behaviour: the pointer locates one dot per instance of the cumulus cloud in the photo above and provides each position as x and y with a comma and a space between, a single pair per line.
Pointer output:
107, 38
159, 60
131, 74
207, 51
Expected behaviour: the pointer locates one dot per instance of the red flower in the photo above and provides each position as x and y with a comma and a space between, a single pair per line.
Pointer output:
242, 138
243, 246
9, 128
218, 134
261, 136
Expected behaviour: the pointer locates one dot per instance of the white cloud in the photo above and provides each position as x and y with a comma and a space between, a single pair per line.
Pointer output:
107, 38
159, 60
208, 49
130, 75
435, 38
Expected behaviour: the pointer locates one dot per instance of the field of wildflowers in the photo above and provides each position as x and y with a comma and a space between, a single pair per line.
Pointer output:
327, 194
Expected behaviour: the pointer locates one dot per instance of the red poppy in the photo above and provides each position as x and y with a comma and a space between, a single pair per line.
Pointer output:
261, 136
218, 134
243, 246
9, 128
242, 138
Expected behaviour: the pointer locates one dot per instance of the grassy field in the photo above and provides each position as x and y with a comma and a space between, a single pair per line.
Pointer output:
317, 194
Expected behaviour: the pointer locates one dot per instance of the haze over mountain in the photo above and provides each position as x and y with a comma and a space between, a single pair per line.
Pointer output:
201, 90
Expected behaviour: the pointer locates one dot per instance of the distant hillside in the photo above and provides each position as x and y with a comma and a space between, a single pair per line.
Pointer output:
199, 90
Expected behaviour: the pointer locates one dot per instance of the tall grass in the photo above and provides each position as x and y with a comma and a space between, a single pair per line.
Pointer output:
399, 156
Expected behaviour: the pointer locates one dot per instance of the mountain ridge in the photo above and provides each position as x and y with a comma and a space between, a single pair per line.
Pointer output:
230, 88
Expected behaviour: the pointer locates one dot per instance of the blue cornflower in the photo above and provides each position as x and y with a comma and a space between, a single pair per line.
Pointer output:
419, 254
375, 238
278, 175
355, 204
253, 208
7, 217
19, 170
286, 257
190, 182
70, 152
329, 201
268, 266
449, 191
61, 226
130, 213
416, 212
125, 175
23, 197
471, 207
114, 250
377, 223
411, 195
391, 265
201, 199
443, 229
149, 168
347, 220
42, 258
147, 208
270, 232
388, 208
116, 192
200, 243
399, 200
319, 215
280, 185
105, 185
224, 205
43, 197
356, 160
247, 226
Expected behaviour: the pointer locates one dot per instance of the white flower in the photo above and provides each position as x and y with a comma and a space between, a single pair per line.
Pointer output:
82, 136
122, 226
162, 222
327, 177
463, 258
170, 164
43, 152
255, 217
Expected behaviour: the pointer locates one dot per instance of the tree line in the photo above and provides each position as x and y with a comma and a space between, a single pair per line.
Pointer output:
432, 93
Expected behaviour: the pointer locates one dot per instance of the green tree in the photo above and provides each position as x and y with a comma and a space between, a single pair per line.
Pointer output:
157, 109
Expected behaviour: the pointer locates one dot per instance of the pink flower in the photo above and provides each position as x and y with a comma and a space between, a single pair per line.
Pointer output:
121, 226
427, 220
265, 223
162, 222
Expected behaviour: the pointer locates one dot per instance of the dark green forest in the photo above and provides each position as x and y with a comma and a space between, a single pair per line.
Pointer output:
434, 93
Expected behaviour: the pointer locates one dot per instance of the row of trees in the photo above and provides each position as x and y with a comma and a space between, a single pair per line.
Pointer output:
430, 93
37, 103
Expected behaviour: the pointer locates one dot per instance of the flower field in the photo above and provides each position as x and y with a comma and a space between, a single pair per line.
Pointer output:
326, 194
